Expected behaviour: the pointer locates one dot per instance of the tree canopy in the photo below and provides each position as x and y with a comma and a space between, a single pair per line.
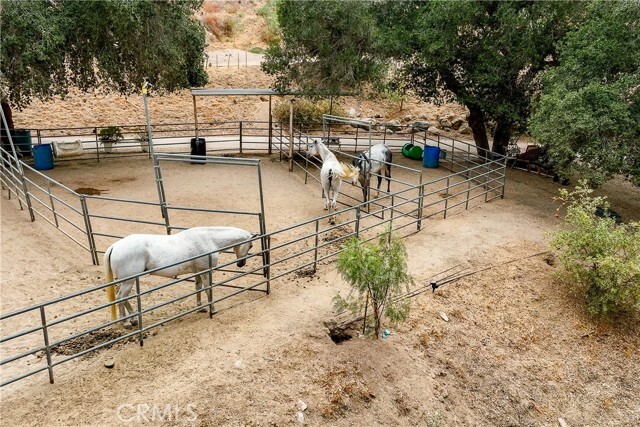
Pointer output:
484, 55
50, 46
588, 113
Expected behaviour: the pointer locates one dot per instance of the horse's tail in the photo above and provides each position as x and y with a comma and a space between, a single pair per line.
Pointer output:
111, 290
348, 171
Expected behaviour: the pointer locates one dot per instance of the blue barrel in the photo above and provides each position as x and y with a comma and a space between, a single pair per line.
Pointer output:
43, 157
431, 156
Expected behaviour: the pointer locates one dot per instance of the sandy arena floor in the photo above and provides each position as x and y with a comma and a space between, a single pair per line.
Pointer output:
516, 351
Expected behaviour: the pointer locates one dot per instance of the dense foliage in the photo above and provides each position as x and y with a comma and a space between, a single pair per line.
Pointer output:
50, 46
376, 274
588, 114
326, 46
306, 113
601, 259
484, 55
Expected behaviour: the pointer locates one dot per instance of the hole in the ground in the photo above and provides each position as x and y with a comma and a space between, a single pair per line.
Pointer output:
339, 337
88, 190
343, 331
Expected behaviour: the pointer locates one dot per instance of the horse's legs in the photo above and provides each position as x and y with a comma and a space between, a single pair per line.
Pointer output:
379, 182
198, 287
334, 203
200, 280
325, 194
336, 191
387, 174
123, 291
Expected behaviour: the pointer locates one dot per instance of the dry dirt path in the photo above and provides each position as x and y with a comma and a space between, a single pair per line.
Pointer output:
516, 351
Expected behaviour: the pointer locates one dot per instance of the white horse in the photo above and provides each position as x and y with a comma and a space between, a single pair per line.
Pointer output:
137, 253
372, 162
331, 174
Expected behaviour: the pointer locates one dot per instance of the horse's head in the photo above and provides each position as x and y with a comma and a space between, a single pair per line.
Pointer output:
363, 165
350, 173
242, 250
312, 148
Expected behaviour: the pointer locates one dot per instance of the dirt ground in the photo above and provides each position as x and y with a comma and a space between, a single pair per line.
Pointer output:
517, 349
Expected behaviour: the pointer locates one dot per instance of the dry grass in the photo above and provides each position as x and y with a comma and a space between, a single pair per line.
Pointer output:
344, 388
210, 7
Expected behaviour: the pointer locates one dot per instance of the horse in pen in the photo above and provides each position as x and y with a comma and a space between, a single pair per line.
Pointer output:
331, 174
138, 253
371, 162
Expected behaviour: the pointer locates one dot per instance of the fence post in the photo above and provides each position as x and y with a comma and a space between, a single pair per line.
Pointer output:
504, 177
486, 180
355, 150
446, 200
453, 150
268, 260
420, 203
315, 246
139, 301
210, 290
270, 142
240, 130
87, 226
27, 198
53, 207
97, 146
358, 222
39, 137
47, 350
281, 142
393, 202
466, 205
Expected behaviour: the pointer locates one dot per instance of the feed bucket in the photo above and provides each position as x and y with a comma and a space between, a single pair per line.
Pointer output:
198, 148
43, 157
431, 156
412, 151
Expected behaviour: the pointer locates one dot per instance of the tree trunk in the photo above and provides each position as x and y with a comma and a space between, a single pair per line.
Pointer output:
476, 123
6, 109
376, 317
501, 138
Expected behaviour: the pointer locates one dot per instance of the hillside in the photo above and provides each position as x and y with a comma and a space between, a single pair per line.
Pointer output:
97, 108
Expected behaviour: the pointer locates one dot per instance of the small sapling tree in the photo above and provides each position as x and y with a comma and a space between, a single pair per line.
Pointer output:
601, 260
376, 274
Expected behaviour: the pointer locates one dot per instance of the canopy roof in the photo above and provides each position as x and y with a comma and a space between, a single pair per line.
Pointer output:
235, 92
254, 91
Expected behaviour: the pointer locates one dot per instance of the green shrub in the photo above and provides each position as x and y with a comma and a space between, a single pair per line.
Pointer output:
231, 25
307, 114
110, 133
257, 49
376, 274
601, 260
271, 32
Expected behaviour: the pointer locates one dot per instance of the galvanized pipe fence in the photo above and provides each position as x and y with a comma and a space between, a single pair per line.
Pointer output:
300, 248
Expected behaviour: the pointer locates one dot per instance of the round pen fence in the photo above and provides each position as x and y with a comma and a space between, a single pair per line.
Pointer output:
71, 326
